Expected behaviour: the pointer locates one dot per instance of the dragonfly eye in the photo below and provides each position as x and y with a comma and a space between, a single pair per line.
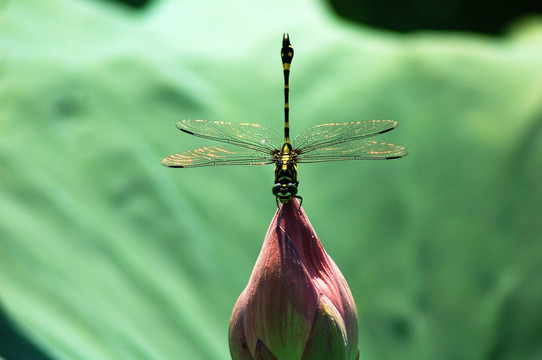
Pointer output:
292, 189
276, 189
283, 190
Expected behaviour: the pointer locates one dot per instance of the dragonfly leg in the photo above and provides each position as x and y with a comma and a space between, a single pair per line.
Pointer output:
300, 201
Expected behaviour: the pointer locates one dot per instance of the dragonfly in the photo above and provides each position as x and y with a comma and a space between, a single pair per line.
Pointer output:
254, 144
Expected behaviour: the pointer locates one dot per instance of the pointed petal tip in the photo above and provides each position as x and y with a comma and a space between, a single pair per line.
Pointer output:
262, 352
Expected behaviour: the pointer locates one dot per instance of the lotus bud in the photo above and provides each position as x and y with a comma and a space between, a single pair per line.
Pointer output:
297, 304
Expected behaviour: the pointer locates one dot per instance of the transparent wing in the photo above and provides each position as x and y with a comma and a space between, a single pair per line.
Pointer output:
218, 155
328, 135
356, 150
251, 136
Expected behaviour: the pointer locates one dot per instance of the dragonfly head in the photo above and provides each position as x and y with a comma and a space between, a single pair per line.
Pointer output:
285, 192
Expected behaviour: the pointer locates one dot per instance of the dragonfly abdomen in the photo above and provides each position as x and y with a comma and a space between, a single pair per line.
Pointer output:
286, 54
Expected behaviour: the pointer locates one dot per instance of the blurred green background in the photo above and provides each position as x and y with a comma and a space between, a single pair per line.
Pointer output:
106, 254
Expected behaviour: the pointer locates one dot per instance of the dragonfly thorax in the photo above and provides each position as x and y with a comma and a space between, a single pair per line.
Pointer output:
286, 183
